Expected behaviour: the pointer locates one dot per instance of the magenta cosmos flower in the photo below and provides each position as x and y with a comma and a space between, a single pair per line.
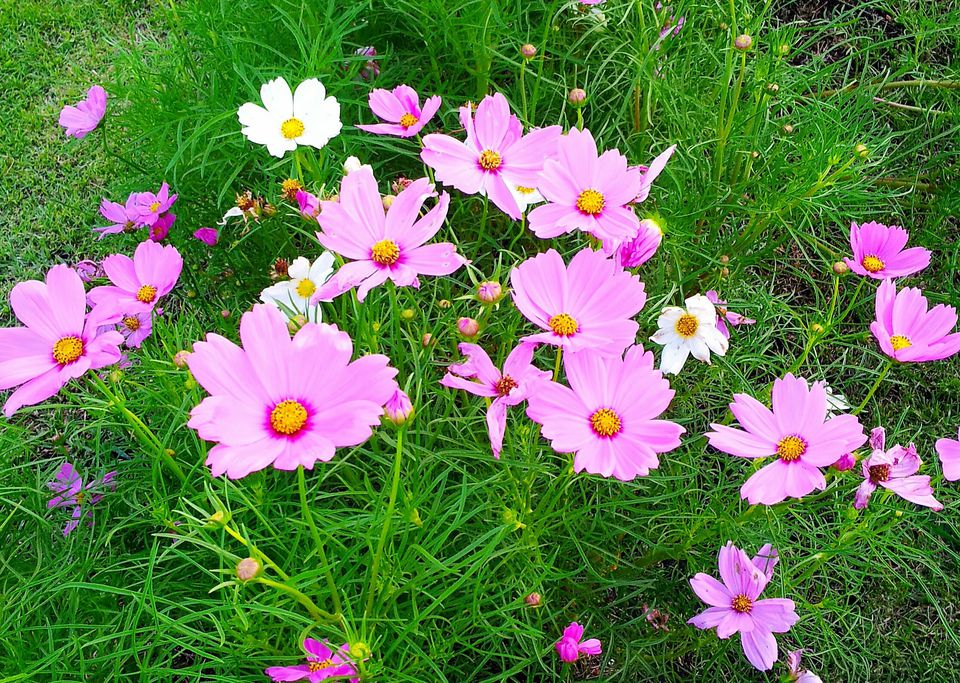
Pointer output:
588, 304
151, 207
587, 191
607, 416
281, 401
495, 157
208, 236
80, 119
797, 431
382, 245
73, 493
949, 452
57, 343
480, 377
907, 331
735, 606
123, 217
401, 107
572, 645
322, 663
895, 470
726, 316
138, 283
878, 252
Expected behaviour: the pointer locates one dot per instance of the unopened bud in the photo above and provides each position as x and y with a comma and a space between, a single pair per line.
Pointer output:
787, 128
783, 49
723, 26
840, 268
724, 272
754, 155
426, 340
468, 327
743, 42
862, 150
577, 97
817, 328
387, 200
528, 51
444, 303
489, 292
724, 259
360, 651
533, 600
180, 359
399, 408
415, 518
407, 314
845, 462
773, 88
219, 517
115, 376
248, 568
225, 313
296, 322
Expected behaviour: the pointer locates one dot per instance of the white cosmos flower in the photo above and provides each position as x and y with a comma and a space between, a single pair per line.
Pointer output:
690, 330
353, 164
292, 296
286, 119
525, 196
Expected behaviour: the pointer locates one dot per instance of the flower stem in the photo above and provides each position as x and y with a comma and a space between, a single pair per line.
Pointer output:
873, 389
308, 518
556, 367
315, 612
385, 531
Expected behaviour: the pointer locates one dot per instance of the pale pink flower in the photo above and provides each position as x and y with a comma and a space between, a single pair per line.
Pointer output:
650, 173
73, 493
949, 452
878, 252
138, 283
123, 217
80, 119
907, 331
322, 663
572, 645
725, 315
895, 470
150, 206
401, 108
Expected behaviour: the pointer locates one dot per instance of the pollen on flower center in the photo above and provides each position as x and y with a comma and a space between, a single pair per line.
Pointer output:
288, 417
872, 264
291, 128
67, 349
131, 323
408, 120
505, 385
290, 187
879, 473
306, 288
790, 448
147, 294
319, 665
898, 342
687, 325
605, 422
742, 604
489, 160
155, 207
590, 202
564, 325
385, 252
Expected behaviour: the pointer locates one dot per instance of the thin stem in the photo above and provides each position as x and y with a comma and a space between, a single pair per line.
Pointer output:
236, 535
385, 531
556, 367
315, 612
308, 518
873, 389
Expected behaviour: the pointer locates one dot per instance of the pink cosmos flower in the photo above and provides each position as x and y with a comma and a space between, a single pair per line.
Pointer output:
480, 377
58, 342
398, 408
949, 452
797, 431
401, 107
382, 245
322, 663
281, 401
86, 115
907, 331
135, 328
208, 236
123, 217
725, 315
309, 204
735, 606
588, 304
160, 229
572, 645
637, 251
878, 252
651, 172
138, 283
607, 416
151, 206
895, 470
587, 191
495, 157
88, 270
72, 492
798, 675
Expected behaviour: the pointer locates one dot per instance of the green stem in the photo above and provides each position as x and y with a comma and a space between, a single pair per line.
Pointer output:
523, 91
385, 531
556, 367
315, 612
873, 389
308, 518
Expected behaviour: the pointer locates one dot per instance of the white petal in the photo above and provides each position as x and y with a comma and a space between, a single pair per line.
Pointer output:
277, 98
308, 98
698, 347
321, 125
701, 307
673, 358
300, 268
716, 341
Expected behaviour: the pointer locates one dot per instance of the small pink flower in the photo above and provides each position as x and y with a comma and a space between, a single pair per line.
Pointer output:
572, 645
895, 470
637, 251
123, 217
845, 462
72, 492
398, 408
138, 283
949, 452
651, 172
150, 206
468, 327
798, 675
907, 331
208, 236
89, 270
401, 107
309, 204
322, 663
878, 252
80, 119
160, 229
725, 315
135, 328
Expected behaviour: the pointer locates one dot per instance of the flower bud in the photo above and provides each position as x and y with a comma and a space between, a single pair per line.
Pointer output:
724, 259
845, 462
528, 51
407, 314
444, 303
219, 518
787, 128
115, 376
88, 270
387, 200
296, 322
840, 268
783, 49
360, 651
723, 26
426, 340
398, 408
577, 97
862, 150
225, 313
533, 600
248, 568
724, 272
817, 328
180, 359
773, 88
743, 42
489, 292
468, 327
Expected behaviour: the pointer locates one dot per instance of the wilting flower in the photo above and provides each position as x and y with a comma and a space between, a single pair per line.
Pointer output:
401, 107
650, 173
160, 229
72, 492
150, 207
587, 191
797, 431
725, 315
668, 25
685, 331
399, 408
480, 377
88, 270
572, 645
495, 157
281, 401
370, 68
608, 414
878, 252
949, 452
798, 675
289, 119
80, 119
845, 462
735, 606
293, 296
907, 331
289, 189
138, 283
322, 663
895, 470
637, 251
383, 245
57, 343
588, 304
208, 236
308, 203
123, 217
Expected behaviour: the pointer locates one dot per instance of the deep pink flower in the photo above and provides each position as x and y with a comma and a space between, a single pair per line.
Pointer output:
588, 304
797, 431
58, 342
284, 402
208, 236
651, 172
383, 246
572, 645
138, 283
587, 191
608, 414
637, 251
845, 462
72, 492
895, 470
401, 107
495, 157
907, 331
878, 252
725, 315
949, 452
735, 606
151, 206
80, 119
480, 377
309, 204
160, 229
322, 663
123, 217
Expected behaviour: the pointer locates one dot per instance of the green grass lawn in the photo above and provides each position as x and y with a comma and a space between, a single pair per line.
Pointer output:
776, 156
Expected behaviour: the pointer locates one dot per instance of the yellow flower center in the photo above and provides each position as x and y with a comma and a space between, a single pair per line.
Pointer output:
291, 128
67, 349
489, 160
79, 497
524, 190
155, 207
590, 202
306, 288
687, 325
147, 294
408, 120
131, 323
564, 325
505, 385
319, 665
290, 187
288, 417
742, 604
898, 342
605, 422
385, 252
790, 448
872, 264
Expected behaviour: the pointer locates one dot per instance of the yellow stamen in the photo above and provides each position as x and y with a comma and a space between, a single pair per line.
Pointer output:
590, 202
290, 187
146, 294
872, 264
687, 325
489, 160
306, 288
790, 448
288, 417
899, 342
505, 385
525, 190
67, 349
385, 252
605, 422
742, 604
291, 129
155, 207
564, 325
131, 323
408, 120
320, 665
